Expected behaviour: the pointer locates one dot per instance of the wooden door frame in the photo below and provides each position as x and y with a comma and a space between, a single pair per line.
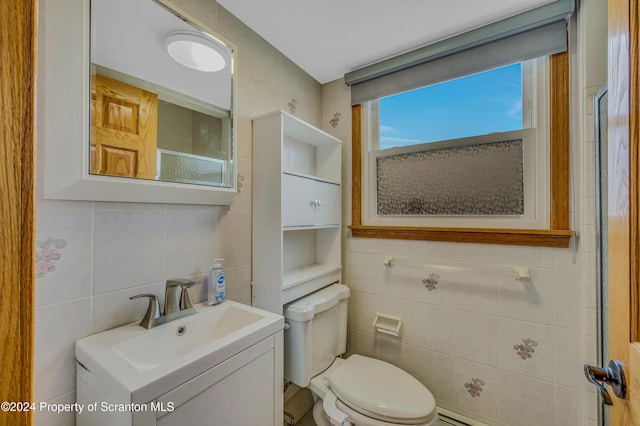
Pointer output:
18, 25
624, 203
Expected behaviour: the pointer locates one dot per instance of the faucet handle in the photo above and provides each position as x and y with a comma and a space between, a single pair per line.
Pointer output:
153, 310
185, 298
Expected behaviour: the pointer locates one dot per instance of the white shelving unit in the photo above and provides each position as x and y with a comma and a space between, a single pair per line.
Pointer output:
296, 210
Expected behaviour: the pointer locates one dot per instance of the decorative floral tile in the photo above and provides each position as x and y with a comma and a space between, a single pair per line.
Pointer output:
474, 387
431, 282
293, 105
335, 121
240, 182
525, 349
47, 255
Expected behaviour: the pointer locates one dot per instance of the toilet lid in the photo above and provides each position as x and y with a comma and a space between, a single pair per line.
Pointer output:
381, 390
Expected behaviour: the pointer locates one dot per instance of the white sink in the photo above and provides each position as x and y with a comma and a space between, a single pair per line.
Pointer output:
148, 362
169, 342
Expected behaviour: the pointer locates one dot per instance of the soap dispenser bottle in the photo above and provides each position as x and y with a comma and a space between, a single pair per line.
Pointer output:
217, 289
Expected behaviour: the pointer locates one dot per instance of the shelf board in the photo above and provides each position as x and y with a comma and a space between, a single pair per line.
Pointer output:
309, 227
301, 275
314, 177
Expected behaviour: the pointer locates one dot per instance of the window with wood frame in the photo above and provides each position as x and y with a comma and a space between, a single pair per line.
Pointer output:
551, 231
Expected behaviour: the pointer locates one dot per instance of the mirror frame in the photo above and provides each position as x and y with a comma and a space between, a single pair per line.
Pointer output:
65, 98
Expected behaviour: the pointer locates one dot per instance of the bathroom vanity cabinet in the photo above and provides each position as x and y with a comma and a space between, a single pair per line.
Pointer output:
220, 366
221, 395
296, 205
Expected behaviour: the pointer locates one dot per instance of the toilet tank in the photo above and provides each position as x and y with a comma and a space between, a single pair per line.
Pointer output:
317, 332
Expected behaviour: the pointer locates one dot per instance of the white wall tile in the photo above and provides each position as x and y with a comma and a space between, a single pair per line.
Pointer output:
429, 327
534, 257
362, 245
438, 290
567, 301
396, 248
471, 379
391, 349
527, 348
529, 300
238, 282
360, 314
525, 401
566, 407
476, 253
393, 281
430, 251
64, 242
590, 293
568, 364
235, 238
475, 337
367, 273
191, 241
362, 343
57, 327
434, 370
242, 201
591, 322
589, 241
129, 247
49, 417
244, 132
476, 292
590, 350
591, 401
114, 308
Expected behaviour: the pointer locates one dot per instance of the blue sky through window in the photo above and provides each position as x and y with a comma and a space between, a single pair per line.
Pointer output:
469, 106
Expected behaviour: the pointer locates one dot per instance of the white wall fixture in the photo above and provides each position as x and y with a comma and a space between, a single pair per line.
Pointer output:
65, 125
296, 197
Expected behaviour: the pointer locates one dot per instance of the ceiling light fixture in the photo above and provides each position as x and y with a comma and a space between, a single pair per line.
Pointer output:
195, 50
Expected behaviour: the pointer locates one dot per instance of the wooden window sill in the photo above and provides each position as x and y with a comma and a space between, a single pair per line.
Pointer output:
518, 237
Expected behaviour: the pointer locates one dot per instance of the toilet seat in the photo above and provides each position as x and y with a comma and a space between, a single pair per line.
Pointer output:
327, 413
377, 390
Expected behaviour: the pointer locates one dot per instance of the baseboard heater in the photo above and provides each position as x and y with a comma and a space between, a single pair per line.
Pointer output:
449, 418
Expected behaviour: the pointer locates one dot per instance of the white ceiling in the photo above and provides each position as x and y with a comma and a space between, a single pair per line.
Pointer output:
328, 38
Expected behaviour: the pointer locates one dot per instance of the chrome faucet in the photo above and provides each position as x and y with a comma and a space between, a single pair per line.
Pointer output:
176, 296
177, 303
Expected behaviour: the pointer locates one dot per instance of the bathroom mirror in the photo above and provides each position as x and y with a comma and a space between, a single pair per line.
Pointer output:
128, 116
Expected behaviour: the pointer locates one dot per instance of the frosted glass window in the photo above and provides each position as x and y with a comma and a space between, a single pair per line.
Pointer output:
479, 179
188, 168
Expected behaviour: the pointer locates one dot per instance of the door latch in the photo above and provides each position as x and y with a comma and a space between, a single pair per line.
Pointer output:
612, 375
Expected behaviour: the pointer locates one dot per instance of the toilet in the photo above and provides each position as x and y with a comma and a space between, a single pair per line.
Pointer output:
359, 390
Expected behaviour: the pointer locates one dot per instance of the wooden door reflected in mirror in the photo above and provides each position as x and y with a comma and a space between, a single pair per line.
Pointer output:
124, 127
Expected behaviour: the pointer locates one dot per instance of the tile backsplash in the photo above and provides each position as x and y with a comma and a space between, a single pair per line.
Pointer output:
480, 339
92, 256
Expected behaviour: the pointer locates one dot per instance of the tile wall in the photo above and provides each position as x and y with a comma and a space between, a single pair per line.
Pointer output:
489, 347
91, 256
